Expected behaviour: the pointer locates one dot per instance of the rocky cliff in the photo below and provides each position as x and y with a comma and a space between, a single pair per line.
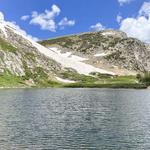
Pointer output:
19, 57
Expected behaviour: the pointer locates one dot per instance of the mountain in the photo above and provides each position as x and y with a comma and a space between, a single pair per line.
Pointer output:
110, 50
83, 58
22, 57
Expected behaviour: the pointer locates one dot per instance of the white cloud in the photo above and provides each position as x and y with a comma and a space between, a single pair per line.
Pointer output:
1, 17
97, 27
25, 17
46, 20
119, 18
138, 27
145, 9
15, 26
122, 2
65, 22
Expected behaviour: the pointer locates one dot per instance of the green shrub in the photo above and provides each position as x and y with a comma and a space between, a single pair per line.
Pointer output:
77, 77
100, 75
9, 80
144, 78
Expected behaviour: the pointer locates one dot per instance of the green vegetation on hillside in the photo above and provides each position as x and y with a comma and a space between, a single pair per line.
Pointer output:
9, 80
98, 80
77, 77
41, 79
5, 46
30, 56
144, 78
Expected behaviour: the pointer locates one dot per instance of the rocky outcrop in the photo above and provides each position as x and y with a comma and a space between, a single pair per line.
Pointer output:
18, 55
131, 54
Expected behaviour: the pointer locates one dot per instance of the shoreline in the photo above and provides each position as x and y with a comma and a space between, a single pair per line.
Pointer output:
90, 86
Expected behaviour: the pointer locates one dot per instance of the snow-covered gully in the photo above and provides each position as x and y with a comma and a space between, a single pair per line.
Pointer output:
70, 62
66, 60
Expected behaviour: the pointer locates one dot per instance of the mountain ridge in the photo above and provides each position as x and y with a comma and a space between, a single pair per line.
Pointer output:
81, 58
108, 41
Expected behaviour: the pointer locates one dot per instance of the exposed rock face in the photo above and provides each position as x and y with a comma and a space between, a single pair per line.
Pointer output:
108, 49
17, 55
130, 54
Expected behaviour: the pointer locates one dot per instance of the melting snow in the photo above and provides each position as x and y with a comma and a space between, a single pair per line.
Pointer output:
67, 54
65, 80
77, 58
100, 55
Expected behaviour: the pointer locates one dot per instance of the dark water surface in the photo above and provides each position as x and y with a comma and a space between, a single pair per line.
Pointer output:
74, 119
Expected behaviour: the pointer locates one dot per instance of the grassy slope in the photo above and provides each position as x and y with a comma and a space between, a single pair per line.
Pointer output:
111, 82
9, 80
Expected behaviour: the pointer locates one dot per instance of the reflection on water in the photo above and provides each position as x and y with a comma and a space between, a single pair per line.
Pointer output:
59, 119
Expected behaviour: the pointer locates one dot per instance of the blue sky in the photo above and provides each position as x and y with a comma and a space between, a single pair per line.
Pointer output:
80, 15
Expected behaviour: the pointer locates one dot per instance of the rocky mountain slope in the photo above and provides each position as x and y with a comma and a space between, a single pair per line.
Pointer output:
110, 50
22, 57
86, 57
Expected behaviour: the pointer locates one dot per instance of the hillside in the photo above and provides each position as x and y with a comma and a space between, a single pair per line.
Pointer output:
111, 50
25, 62
86, 60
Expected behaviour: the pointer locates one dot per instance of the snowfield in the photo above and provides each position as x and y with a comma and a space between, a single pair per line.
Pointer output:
65, 80
101, 55
67, 60
67, 54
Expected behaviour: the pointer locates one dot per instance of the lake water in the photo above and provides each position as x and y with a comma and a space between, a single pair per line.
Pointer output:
74, 119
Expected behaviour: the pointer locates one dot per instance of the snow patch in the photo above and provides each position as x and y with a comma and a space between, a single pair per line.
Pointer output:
67, 54
101, 55
2, 27
77, 58
58, 51
109, 33
65, 80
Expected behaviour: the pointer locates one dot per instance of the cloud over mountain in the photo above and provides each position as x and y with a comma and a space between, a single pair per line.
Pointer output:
97, 27
16, 27
138, 27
